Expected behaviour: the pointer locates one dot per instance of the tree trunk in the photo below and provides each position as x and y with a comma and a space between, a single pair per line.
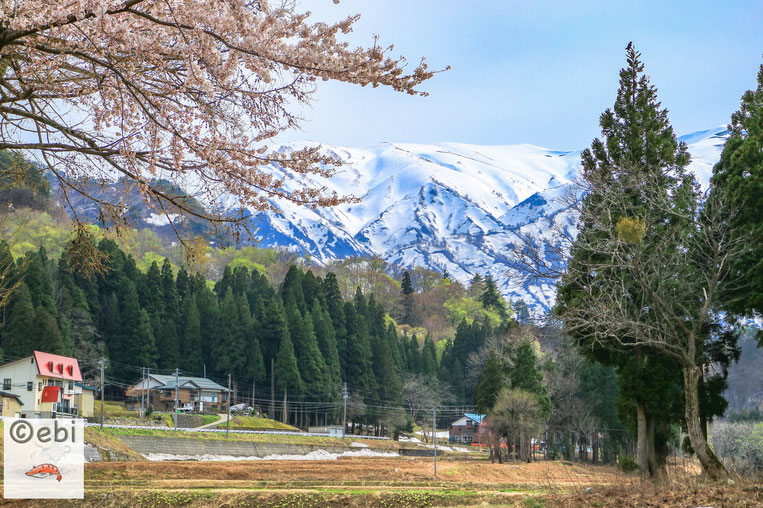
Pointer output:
285, 409
642, 447
595, 448
654, 467
710, 463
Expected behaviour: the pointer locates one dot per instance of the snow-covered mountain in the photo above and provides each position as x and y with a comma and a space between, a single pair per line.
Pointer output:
448, 206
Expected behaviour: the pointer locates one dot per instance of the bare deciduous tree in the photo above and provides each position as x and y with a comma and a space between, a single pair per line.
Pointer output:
420, 397
188, 91
517, 415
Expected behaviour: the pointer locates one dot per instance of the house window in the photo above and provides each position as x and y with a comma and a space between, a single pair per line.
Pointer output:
71, 386
7, 383
29, 386
39, 386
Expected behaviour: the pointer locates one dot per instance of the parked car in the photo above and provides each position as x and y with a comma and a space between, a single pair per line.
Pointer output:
241, 408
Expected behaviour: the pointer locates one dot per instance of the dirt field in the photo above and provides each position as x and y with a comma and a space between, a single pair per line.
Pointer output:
358, 471
403, 482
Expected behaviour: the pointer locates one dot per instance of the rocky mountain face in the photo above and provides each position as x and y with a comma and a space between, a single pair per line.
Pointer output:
455, 207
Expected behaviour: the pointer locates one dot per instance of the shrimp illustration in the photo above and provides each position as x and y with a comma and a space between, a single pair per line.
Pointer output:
44, 471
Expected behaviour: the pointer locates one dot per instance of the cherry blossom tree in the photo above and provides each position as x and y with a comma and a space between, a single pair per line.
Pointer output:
188, 91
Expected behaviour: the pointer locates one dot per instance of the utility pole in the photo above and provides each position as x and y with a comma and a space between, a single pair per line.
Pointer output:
434, 437
177, 371
148, 390
227, 423
102, 363
344, 412
142, 390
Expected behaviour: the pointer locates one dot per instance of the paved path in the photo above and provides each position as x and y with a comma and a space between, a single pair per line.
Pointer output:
222, 420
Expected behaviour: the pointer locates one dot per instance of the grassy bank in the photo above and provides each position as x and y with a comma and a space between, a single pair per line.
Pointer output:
255, 438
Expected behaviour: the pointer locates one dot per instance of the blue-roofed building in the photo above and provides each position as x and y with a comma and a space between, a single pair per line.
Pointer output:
464, 430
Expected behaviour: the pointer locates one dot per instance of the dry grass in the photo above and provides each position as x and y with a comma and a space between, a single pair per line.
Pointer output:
255, 423
113, 410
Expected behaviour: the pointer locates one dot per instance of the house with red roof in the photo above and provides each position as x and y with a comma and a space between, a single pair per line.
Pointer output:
46, 385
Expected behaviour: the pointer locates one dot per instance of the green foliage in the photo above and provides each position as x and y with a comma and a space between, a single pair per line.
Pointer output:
286, 370
526, 376
470, 309
626, 463
491, 383
492, 299
737, 182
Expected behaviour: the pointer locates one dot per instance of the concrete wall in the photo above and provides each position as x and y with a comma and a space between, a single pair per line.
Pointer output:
186, 421
180, 446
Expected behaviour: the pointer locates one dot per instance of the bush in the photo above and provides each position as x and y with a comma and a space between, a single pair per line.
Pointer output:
554, 451
149, 410
627, 464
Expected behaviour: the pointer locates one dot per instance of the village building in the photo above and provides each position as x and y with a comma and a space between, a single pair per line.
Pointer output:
464, 430
44, 385
10, 404
195, 394
84, 399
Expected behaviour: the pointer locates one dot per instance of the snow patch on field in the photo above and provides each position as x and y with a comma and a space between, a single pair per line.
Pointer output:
314, 455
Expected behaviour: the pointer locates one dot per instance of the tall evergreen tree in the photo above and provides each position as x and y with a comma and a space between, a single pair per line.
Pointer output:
47, 333
229, 342
167, 336
324, 333
407, 302
738, 180
526, 376
272, 330
357, 354
286, 369
191, 354
491, 382
135, 340
312, 367
491, 298
640, 167
19, 332
429, 358
335, 308
414, 355
476, 286
38, 280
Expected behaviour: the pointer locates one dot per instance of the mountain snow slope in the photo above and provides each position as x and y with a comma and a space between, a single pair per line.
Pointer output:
448, 206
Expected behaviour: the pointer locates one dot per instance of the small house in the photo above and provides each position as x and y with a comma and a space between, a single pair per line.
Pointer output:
84, 400
464, 430
10, 404
197, 394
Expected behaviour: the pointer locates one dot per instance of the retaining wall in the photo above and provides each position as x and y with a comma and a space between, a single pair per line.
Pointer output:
180, 446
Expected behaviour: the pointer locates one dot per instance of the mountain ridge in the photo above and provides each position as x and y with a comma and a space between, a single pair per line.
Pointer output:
447, 206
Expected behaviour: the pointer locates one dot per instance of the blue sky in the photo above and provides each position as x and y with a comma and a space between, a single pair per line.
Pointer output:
537, 72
